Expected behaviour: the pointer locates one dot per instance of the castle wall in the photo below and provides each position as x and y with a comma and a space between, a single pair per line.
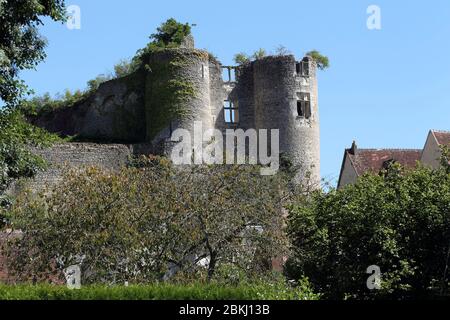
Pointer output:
218, 93
113, 113
181, 86
243, 94
61, 157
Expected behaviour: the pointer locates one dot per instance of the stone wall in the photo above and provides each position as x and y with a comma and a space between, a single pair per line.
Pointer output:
174, 69
74, 155
218, 94
244, 94
114, 112
139, 108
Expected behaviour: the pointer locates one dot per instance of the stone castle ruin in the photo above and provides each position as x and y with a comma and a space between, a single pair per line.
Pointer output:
138, 113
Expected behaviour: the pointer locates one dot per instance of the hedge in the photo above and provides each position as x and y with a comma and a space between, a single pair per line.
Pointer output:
156, 292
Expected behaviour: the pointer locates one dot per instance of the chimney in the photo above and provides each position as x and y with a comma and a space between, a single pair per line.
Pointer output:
353, 148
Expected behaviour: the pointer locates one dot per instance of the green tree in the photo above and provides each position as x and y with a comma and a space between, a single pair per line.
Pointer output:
135, 224
21, 46
16, 161
445, 158
123, 68
241, 58
94, 84
399, 221
321, 60
170, 34
259, 54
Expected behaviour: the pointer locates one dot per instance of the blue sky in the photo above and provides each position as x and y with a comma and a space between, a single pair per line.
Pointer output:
385, 88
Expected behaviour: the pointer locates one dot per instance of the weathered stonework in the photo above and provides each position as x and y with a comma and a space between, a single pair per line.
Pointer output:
180, 86
181, 74
115, 112
277, 87
65, 156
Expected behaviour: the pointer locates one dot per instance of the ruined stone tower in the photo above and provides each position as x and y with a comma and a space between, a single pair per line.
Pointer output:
285, 94
276, 92
177, 94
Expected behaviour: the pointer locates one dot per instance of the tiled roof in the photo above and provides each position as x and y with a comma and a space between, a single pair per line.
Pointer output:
442, 137
374, 160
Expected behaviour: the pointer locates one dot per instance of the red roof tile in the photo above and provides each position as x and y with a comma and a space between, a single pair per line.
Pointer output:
373, 160
442, 137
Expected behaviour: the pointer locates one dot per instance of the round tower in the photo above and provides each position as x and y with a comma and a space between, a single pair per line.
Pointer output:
177, 94
286, 99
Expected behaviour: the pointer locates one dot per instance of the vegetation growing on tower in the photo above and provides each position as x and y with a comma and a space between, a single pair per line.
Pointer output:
169, 35
242, 58
321, 60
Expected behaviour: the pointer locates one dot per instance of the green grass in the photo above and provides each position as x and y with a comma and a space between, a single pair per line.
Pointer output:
156, 292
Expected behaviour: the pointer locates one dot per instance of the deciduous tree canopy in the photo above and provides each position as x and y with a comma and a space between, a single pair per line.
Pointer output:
21, 46
399, 221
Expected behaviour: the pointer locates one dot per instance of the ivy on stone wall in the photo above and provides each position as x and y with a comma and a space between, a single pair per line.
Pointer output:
170, 34
166, 85
167, 91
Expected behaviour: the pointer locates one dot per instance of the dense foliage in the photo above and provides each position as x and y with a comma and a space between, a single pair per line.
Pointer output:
16, 161
241, 58
21, 46
170, 34
399, 221
164, 291
259, 54
150, 223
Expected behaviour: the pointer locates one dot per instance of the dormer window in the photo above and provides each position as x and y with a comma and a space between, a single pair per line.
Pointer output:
304, 105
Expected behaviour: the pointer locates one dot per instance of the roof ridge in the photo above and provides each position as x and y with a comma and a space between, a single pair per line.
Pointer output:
389, 149
440, 131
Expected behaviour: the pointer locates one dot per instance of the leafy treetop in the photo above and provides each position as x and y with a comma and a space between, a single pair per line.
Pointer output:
21, 46
398, 220
243, 58
169, 35
321, 60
